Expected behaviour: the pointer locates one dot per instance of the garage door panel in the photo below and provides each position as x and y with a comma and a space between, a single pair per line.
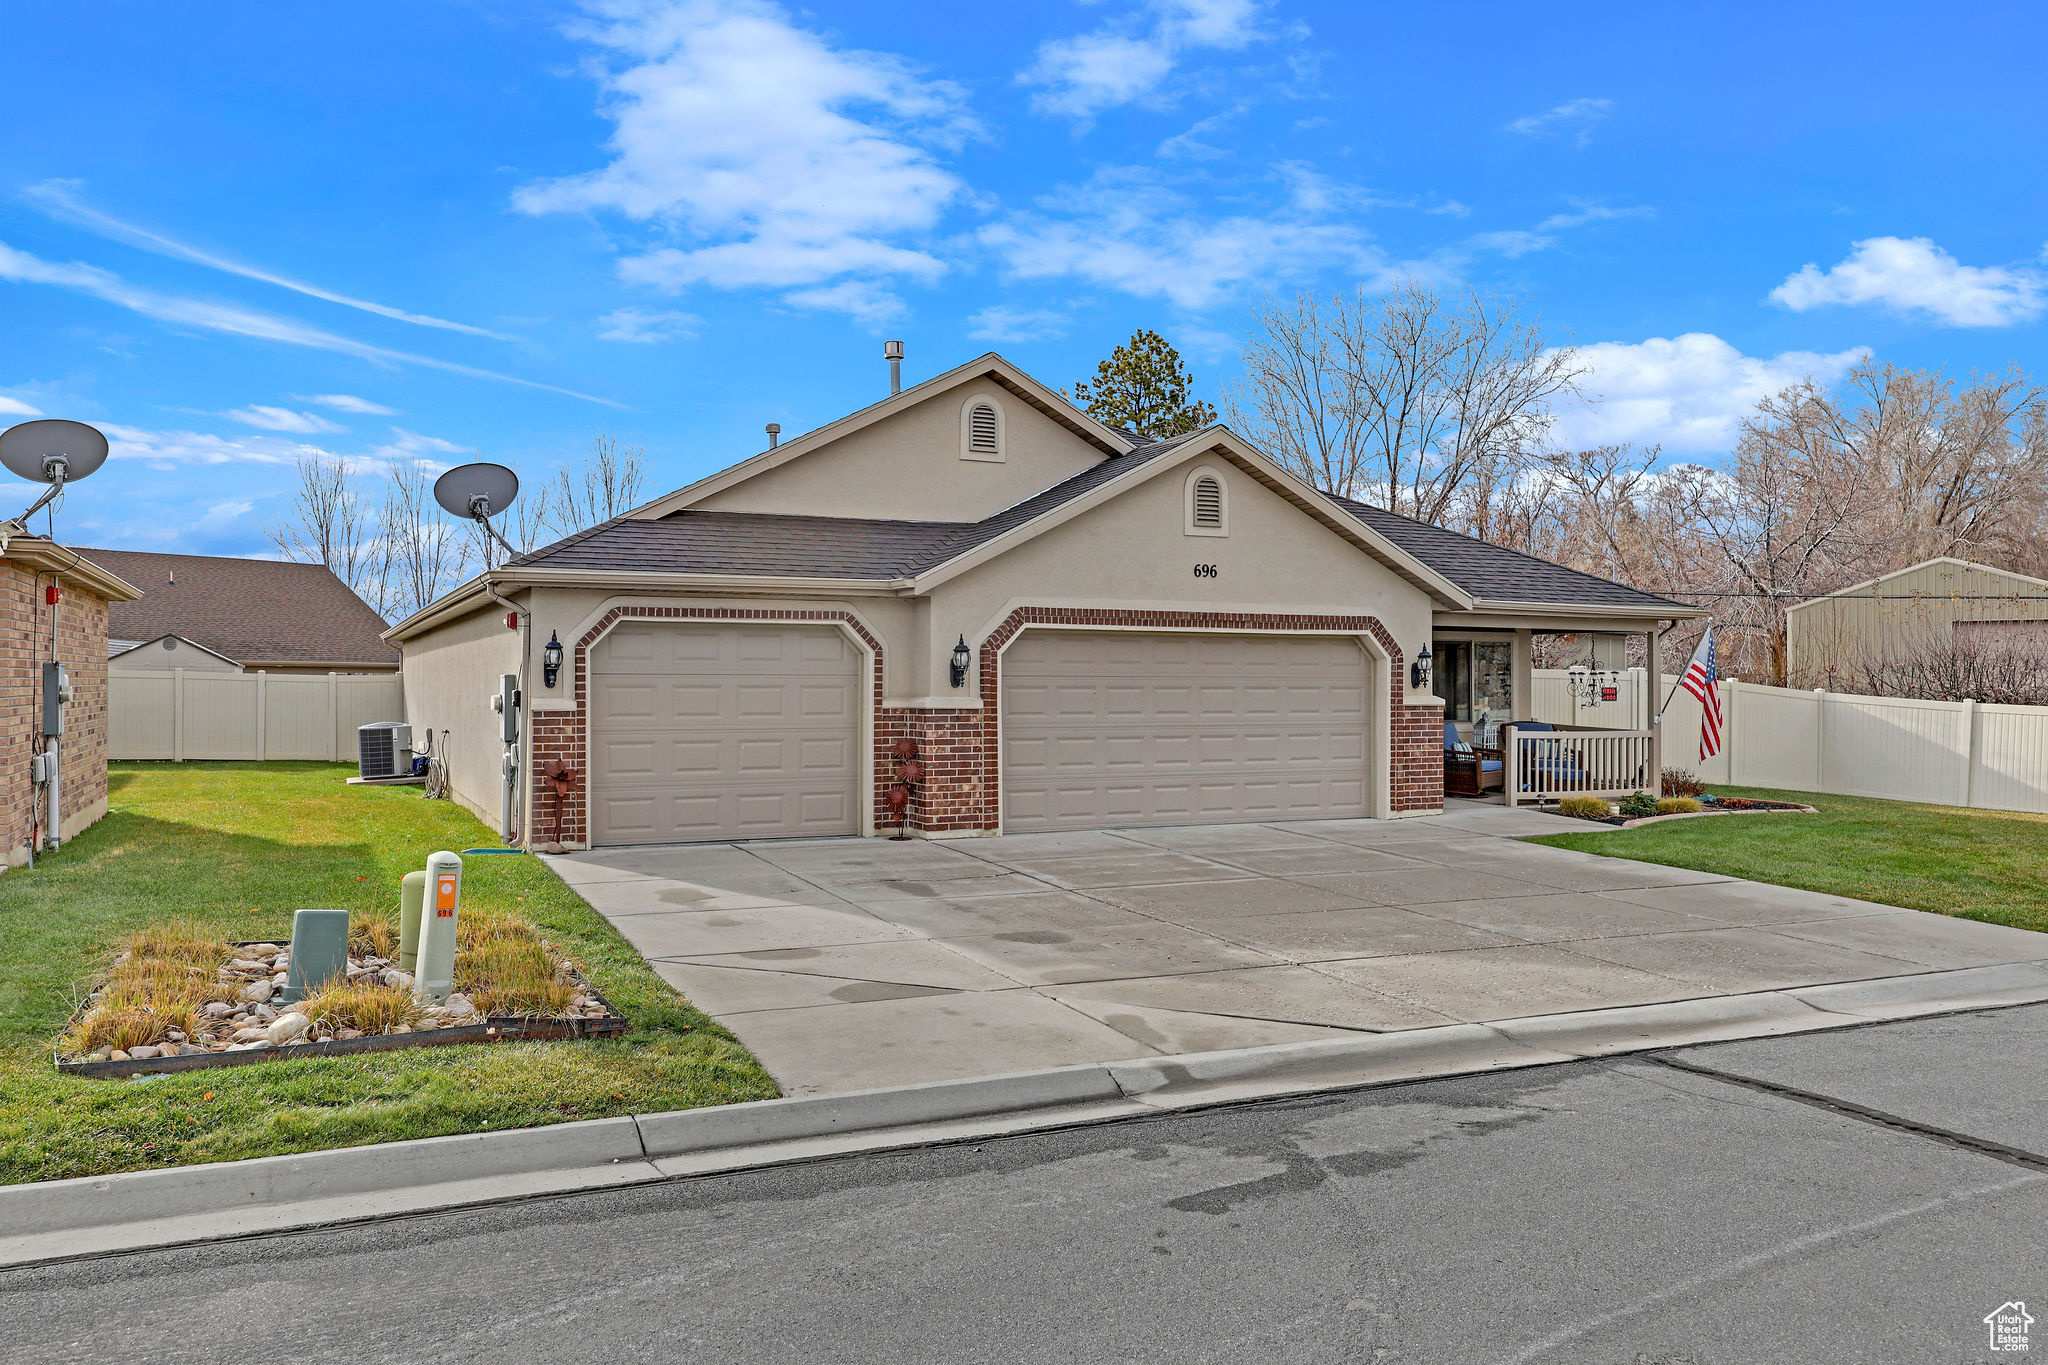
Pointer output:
722, 731
1108, 728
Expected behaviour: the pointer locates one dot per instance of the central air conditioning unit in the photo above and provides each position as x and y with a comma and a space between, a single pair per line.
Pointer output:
384, 749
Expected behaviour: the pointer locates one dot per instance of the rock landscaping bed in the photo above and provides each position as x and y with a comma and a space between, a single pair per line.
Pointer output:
177, 999
1643, 809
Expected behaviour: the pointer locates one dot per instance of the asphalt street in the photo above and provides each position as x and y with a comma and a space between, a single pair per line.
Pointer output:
1866, 1195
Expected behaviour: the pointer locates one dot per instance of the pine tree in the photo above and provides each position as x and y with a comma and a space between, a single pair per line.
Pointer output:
1143, 387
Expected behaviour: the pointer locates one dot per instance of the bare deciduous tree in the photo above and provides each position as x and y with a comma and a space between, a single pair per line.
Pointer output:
1402, 398
329, 524
605, 484
427, 554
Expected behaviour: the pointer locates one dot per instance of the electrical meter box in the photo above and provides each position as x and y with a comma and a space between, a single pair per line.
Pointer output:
56, 694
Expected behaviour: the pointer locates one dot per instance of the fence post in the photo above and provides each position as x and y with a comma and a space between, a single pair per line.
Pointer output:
1511, 777
177, 715
333, 715
1970, 746
1820, 740
262, 717
1731, 740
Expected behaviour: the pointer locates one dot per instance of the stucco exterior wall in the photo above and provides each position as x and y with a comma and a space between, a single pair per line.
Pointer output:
82, 646
908, 466
451, 674
1133, 553
1897, 615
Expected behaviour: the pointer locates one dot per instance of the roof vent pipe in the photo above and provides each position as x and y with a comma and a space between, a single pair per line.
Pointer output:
774, 434
893, 351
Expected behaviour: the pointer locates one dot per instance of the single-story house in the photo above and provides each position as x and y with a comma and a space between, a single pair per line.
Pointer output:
1076, 626
72, 628
1924, 605
210, 613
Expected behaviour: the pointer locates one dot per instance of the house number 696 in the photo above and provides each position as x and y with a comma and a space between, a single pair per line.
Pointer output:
1205, 570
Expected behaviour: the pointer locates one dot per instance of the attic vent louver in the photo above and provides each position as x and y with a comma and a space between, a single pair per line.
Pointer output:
1208, 502
981, 423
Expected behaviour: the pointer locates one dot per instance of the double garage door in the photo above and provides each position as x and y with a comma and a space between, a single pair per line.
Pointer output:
1109, 728
751, 731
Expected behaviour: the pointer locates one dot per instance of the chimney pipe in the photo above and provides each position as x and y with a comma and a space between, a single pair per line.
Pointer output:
893, 350
774, 434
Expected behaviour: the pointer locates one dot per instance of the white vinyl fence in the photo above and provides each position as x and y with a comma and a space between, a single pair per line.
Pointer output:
179, 715
1948, 753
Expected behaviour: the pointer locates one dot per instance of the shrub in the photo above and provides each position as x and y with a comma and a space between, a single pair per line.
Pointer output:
1679, 782
363, 1006
1585, 808
1679, 805
504, 967
1636, 805
128, 1025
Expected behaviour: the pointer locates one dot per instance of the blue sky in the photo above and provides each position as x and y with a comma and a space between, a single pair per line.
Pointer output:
230, 232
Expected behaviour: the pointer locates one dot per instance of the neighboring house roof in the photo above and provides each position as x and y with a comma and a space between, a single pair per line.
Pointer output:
256, 611
1853, 589
116, 648
1494, 573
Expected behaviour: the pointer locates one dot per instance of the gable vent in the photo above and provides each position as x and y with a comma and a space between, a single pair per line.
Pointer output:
1208, 501
981, 430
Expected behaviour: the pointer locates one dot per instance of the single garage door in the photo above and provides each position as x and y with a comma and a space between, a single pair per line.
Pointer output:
1108, 728
723, 731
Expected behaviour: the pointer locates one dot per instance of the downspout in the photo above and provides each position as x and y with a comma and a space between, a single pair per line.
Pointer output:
513, 805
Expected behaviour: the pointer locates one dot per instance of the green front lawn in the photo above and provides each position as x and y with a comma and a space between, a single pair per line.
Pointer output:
1990, 865
240, 846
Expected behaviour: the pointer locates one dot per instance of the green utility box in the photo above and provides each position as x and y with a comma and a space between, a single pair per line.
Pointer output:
319, 953
412, 898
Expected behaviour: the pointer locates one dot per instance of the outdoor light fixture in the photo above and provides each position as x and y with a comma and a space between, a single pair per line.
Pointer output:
551, 659
961, 658
1418, 672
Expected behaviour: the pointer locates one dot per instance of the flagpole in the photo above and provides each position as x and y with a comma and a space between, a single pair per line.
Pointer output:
1681, 678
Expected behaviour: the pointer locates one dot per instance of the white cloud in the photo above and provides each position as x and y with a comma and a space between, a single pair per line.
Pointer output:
998, 323
283, 419
14, 407
1129, 230
648, 325
19, 267
781, 161
1126, 60
346, 402
222, 515
1688, 393
1913, 275
173, 449
1573, 118
867, 302
57, 198
1586, 211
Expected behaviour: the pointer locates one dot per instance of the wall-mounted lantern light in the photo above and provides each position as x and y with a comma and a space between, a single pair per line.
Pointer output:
551, 659
961, 658
1418, 672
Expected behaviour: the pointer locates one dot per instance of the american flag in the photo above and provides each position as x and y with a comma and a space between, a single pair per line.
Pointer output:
1700, 676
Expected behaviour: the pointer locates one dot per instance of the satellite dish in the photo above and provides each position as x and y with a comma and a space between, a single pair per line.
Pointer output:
51, 450
48, 450
478, 492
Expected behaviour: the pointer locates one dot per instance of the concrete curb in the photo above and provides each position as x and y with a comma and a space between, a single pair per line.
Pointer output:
145, 1210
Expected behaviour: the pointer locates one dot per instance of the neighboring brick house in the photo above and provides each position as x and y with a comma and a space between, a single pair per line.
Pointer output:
1076, 626
29, 567
209, 612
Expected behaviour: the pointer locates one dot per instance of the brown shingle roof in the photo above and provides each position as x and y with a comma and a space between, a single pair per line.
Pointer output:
251, 610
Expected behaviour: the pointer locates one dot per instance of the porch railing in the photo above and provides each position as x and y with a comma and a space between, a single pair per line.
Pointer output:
1544, 765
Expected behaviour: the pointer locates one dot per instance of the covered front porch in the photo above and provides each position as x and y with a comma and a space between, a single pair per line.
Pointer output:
1537, 709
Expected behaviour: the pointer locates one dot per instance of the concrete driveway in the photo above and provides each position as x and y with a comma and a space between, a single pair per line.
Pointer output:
848, 964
